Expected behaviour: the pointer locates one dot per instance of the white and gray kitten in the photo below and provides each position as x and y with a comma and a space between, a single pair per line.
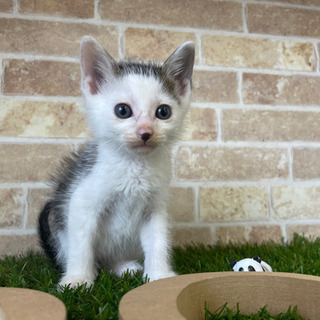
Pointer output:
108, 209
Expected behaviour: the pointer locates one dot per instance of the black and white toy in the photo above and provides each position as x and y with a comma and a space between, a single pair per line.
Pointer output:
254, 264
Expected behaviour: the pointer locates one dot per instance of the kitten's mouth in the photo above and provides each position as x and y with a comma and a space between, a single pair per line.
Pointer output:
143, 146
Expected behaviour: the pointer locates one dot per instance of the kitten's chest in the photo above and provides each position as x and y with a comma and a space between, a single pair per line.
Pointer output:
136, 182
134, 194
137, 179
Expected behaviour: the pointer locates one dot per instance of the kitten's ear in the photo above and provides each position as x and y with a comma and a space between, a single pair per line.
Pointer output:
180, 66
96, 65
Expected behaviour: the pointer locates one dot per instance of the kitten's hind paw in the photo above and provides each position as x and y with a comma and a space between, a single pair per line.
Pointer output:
127, 266
75, 282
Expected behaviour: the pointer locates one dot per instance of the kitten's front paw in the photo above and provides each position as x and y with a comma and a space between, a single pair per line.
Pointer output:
75, 281
152, 276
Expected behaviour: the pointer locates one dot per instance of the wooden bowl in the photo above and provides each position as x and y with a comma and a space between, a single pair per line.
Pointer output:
184, 297
26, 304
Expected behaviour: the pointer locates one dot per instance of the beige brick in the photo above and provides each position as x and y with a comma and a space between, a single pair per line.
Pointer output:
191, 235
36, 200
181, 205
264, 125
296, 202
284, 21
154, 44
215, 86
222, 15
70, 8
257, 53
42, 119
12, 207
310, 231
250, 234
306, 163
233, 204
200, 163
52, 38
283, 90
6, 5
14, 245
33, 162
200, 124
234, 234
260, 234
41, 78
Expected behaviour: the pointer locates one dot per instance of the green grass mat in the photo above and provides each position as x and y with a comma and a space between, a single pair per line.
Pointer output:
225, 313
34, 271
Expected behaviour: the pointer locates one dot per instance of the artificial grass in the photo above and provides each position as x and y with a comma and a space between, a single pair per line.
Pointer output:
225, 313
35, 271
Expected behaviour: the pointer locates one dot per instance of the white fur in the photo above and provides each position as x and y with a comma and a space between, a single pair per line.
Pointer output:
125, 234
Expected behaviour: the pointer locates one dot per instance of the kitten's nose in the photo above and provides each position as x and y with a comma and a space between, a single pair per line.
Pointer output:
145, 136
145, 133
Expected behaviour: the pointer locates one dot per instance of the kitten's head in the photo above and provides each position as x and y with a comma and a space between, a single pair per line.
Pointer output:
136, 106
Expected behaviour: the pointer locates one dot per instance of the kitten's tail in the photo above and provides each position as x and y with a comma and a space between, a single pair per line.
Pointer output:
45, 233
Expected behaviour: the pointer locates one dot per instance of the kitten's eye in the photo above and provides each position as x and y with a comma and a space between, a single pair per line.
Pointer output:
123, 111
163, 112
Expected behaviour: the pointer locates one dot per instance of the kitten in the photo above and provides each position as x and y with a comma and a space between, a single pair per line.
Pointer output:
109, 203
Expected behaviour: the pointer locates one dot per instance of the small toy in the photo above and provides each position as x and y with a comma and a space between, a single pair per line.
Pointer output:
254, 264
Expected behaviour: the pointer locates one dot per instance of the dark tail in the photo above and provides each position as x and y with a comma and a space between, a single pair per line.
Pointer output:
45, 234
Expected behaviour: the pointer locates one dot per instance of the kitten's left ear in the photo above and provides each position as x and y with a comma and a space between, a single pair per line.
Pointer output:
180, 66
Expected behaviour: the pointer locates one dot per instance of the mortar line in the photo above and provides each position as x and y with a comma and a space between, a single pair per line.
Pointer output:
196, 205
39, 56
276, 72
285, 5
316, 51
219, 124
259, 107
246, 223
290, 163
97, 15
57, 99
16, 6
41, 140
198, 38
122, 42
246, 183
1, 76
270, 203
244, 18
22, 185
18, 232
240, 82
26, 207
250, 144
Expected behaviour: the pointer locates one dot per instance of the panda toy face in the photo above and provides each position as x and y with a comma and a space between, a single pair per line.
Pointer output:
254, 264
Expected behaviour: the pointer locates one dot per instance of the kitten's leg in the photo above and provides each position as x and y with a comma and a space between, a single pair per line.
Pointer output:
81, 228
155, 244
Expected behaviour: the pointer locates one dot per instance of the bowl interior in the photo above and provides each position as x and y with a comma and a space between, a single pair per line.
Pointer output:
275, 290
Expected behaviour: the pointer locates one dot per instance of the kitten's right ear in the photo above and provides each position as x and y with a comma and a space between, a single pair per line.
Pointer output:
96, 65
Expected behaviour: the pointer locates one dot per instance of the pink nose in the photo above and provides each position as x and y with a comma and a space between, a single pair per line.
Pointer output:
145, 134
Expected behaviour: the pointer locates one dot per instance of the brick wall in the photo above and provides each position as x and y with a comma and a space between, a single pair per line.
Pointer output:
248, 167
